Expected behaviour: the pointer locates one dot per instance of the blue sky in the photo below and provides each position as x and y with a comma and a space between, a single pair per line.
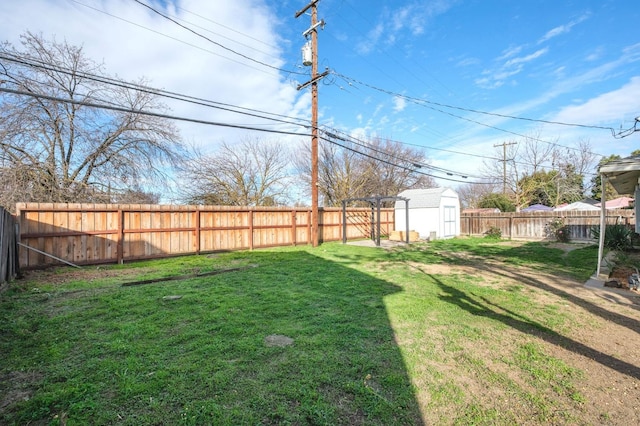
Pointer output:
414, 70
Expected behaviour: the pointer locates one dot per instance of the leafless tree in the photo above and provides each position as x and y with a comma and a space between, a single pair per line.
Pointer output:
56, 148
253, 172
522, 162
471, 193
352, 169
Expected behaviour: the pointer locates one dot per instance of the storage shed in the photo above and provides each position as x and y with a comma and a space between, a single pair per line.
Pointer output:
434, 213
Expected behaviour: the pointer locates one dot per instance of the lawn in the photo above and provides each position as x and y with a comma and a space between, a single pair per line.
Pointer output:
464, 331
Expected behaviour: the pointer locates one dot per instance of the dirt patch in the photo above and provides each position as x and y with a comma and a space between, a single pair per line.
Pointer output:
278, 340
603, 345
17, 386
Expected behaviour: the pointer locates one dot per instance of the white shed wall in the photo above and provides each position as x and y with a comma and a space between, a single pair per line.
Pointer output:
443, 219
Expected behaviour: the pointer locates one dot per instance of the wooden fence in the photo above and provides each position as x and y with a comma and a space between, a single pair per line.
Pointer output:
106, 233
532, 225
9, 267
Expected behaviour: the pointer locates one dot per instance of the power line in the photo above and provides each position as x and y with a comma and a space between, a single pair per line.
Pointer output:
425, 103
179, 40
215, 42
356, 141
147, 113
418, 100
407, 168
212, 123
34, 63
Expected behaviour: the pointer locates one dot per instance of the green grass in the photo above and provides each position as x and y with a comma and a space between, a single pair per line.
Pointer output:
377, 340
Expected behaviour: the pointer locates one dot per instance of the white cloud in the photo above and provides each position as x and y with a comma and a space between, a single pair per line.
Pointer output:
525, 59
495, 78
399, 103
618, 105
563, 29
510, 52
369, 43
134, 42
393, 25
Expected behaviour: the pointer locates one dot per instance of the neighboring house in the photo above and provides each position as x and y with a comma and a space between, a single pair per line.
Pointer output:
577, 206
537, 208
483, 210
617, 203
434, 213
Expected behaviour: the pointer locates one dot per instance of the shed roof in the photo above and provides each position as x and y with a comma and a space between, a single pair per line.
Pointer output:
424, 198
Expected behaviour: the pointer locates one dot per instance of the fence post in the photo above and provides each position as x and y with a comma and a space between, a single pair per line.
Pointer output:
251, 242
197, 231
120, 242
510, 227
294, 232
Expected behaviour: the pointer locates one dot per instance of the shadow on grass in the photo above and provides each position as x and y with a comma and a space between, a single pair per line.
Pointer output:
126, 356
480, 306
541, 258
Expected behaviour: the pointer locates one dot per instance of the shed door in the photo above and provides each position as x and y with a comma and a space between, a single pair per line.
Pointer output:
449, 221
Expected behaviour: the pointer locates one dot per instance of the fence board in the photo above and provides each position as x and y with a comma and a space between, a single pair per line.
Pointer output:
531, 225
91, 234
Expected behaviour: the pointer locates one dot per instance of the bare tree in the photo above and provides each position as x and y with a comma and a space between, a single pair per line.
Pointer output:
472, 193
251, 173
56, 148
396, 167
351, 169
532, 170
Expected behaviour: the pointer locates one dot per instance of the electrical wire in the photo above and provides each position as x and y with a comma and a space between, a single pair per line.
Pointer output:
203, 102
181, 41
400, 166
427, 104
337, 134
215, 42
213, 104
146, 113
213, 123
159, 92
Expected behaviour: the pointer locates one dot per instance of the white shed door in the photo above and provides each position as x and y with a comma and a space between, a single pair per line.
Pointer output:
449, 221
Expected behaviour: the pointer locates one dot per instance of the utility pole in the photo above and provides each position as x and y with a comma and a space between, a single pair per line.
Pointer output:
315, 77
504, 163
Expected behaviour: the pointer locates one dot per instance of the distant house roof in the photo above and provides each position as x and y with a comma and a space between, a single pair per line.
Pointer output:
537, 208
485, 210
424, 198
617, 203
590, 201
578, 205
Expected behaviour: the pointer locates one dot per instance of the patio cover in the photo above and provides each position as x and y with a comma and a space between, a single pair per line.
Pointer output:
624, 176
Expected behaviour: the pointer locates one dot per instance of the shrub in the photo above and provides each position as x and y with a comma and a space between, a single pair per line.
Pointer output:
616, 237
558, 230
500, 201
494, 233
